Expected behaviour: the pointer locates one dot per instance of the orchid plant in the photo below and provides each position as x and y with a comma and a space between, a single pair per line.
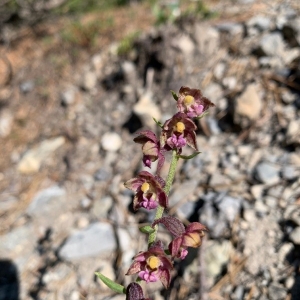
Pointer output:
151, 192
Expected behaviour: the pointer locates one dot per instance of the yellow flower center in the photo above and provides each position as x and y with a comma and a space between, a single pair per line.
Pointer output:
179, 127
188, 100
153, 262
145, 187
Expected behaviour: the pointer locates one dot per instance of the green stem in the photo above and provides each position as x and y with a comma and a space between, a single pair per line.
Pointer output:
169, 181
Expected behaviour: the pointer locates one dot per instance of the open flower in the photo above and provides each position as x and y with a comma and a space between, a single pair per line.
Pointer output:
192, 237
135, 292
149, 192
151, 148
177, 132
192, 103
183, 237
152, 265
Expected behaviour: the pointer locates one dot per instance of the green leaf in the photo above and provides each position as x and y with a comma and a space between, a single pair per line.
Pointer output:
174, 95
146, 229
111, 284
158, 123
189, 156
203, 115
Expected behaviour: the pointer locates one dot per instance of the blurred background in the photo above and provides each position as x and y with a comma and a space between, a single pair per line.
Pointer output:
78, 80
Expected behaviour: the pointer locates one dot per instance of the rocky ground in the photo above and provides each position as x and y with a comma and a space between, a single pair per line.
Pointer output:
66, 149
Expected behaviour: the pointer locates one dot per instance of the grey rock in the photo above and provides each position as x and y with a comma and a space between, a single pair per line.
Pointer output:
272, 44
27, 86
213, 91
293, 132
101, 207
95, 240
260, 22
18, 245
289, 172
207, 38
295, 236
239, 293
68, 96
32, 160
288, 97
277, 292
111, 141
47, 203
230, 207
231, 28
103, 174
213, 125
186, 210
185, 44
267, 173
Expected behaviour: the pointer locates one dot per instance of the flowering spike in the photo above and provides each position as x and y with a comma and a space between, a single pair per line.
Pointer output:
175, 227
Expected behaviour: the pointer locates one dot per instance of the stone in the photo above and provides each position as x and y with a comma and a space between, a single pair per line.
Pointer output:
277, 292
18, 245
248, 104
27, 86
272, 44
213, 126
213, 91
68, 96
32, 160
231, 28
89, 80
101, 207
267, 173
147, 109
185, 44
230, 207
207, 39
89, 242
257, 191
260, 22
6, 122
295, 236
293, 132
216, 257
289, 172
111, 141
47, 203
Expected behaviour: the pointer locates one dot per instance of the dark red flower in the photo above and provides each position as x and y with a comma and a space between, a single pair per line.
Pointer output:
152, 265
191, 236
135, 292
192, 103
177, 132
151, 148
149, 192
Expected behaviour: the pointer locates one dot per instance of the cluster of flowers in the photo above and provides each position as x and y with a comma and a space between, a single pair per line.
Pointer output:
150, 192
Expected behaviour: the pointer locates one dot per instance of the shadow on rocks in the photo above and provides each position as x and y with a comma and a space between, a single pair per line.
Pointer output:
9, 282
